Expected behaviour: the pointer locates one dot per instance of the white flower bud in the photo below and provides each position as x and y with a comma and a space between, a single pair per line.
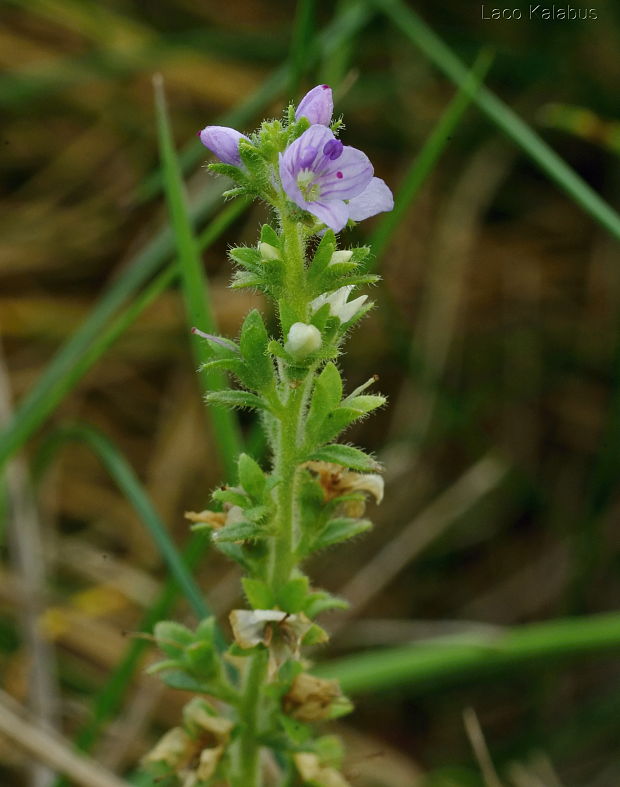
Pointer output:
341, 256
338, 304
268, 252
302, 340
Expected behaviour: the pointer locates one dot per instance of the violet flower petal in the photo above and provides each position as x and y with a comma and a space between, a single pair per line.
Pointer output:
334, 213
224, 142
344, 177
376, 198
317, 106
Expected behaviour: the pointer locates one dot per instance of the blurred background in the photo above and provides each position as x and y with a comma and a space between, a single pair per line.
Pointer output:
496, 338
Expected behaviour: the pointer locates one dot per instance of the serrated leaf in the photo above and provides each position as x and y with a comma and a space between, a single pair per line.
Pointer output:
239, 399
338, 530
347, 456
258, 593
292, 595
251, 476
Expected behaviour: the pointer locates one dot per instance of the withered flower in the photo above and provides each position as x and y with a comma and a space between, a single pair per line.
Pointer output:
338, 482
277, 630
313, 699
311, 770
194, 753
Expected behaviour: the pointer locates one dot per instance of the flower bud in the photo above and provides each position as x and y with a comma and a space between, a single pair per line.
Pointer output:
224, 142
339, 306
317, 106
302, 340
268, 252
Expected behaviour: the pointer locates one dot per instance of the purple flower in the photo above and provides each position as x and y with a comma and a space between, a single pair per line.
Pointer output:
317, 106
318, 173
224, 142
376, 198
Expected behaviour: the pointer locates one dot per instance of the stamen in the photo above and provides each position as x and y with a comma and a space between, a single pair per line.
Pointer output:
333, 149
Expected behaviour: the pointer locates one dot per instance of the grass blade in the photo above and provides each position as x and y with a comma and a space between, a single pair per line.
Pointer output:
504, 118
194, 284
437, 662
301, 44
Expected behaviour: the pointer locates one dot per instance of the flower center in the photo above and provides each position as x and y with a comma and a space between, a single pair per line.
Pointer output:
309, 189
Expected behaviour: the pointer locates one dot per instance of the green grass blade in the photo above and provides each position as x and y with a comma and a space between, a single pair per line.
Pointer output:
428, 157
122, 473
301, 44
194, 285
437, 662
504, 118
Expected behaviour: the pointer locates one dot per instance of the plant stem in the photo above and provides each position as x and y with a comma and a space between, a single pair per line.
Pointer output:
248, 764
289, 430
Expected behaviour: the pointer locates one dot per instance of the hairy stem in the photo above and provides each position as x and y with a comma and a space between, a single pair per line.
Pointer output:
248, 764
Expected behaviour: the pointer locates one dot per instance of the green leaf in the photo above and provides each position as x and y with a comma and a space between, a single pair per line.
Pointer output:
229, 171
253, 345
275, 348
160, 666
242, 279
179, 679
258, 593
322, 256
232, 496
316, 635
347, 456
233, 398
247, 256
201, 659
292, 595
322, 601
239, 531
270, 236
336, 422
172, 638
325, 396
365, 403
251, 477
341, 529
